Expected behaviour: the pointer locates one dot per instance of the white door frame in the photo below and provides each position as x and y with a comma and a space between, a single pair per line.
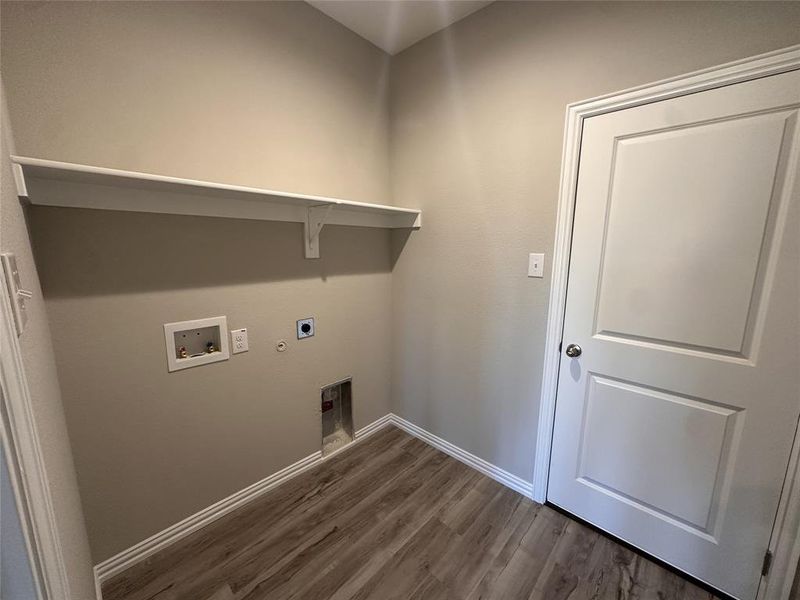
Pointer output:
23, 451
785, 539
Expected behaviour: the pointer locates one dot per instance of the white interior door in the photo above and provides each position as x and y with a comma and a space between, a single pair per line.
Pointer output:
674, 425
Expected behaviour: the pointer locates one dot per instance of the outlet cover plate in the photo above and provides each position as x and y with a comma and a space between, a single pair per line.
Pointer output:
239, 341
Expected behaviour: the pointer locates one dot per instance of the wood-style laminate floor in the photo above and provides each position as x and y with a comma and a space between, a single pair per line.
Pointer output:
393, 518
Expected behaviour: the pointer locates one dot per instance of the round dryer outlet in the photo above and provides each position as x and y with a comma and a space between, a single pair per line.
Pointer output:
305, 328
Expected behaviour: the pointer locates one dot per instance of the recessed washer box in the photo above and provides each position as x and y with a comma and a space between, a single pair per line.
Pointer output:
188, 342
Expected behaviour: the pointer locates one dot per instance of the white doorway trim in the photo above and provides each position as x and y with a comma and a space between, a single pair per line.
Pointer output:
784, 542
26, 466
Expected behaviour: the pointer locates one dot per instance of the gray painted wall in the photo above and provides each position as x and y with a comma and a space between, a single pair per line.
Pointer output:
477, 115
268, 94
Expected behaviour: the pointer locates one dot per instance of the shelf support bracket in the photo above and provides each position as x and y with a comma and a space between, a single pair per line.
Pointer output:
316, 216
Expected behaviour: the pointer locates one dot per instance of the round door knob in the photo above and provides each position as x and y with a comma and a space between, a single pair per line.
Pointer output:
573, 351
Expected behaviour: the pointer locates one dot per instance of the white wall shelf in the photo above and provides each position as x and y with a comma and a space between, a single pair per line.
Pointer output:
54, 183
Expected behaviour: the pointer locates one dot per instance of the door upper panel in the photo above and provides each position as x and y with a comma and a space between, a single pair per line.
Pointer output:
686, 224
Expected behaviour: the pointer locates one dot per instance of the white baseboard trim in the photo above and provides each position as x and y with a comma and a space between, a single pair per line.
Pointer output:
507, 479
368, 430
98, 588
127, 558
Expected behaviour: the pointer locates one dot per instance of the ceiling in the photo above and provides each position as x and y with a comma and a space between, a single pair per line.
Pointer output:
394, 25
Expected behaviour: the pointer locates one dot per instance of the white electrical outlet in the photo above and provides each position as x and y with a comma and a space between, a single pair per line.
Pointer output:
536, 265
305, 328
239, 339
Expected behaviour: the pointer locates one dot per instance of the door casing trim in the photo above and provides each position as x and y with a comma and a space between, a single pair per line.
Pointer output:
20, 438
785, 538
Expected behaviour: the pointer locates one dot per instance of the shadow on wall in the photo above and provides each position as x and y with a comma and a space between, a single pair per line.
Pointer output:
397, 241
83, 252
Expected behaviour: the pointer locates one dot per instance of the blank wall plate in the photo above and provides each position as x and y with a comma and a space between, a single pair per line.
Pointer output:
536, 265
239, 341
